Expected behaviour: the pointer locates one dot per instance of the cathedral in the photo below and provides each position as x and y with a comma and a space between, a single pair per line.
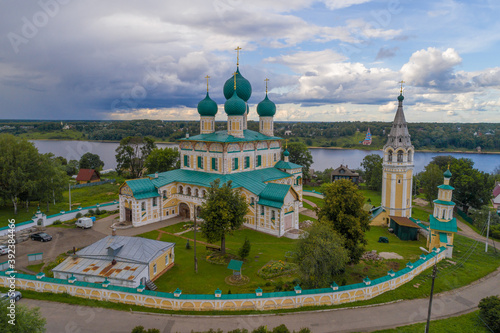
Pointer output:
250, 160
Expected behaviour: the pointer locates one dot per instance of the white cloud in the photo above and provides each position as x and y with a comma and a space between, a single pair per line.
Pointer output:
338, 4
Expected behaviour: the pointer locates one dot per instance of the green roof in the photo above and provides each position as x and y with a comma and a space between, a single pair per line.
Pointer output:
270, 203
243, 87
275, 192
450, 226
376, 212
443, 238
446, 187
266, 108
223, 136
235, 265
447, 173
254, 181
142, 188
207, 107
446, 203
287, 165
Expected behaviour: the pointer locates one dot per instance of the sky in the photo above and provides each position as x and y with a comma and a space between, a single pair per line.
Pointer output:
327, 60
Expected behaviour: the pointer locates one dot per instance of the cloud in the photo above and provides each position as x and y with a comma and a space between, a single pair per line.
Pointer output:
384, 53
338, 4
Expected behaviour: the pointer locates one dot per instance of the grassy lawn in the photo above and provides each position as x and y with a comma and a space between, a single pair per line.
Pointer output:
408, 249
420, 213
85, 196
303, 218
37, 268
374, 196
308, 206
466, 323
319, 202
211, 276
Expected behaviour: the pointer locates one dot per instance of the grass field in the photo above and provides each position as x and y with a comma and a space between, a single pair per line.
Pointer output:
85, 196
466, 323
319, 202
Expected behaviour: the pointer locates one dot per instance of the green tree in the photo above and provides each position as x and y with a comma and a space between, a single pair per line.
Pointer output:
132, 153
472, 187
50, 181
141, 329
224, 210
27, 320
430, 179
72, 167
244, 251
373, 171
300, 154
480, 217
489, 310
91, 161
443, 161
161, 160
321, 256
17, 170
343, 211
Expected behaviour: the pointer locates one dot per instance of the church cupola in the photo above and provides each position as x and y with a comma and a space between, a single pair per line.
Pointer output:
397, 166
235, 109
266, 110
207, 109
243, 87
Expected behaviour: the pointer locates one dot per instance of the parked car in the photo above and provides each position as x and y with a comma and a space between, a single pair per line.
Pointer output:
41, 236
4, 249
84, 222
16, 295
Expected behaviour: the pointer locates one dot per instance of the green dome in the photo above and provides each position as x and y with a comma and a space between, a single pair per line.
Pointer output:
243, 87
207, 107
400, 98
266, 108
286, 153
235, 106
447, 173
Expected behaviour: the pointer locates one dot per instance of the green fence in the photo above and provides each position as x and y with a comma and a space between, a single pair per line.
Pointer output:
464, 216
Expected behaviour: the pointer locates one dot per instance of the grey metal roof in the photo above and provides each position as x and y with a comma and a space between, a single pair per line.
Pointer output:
102, 268
399, 135
129, 249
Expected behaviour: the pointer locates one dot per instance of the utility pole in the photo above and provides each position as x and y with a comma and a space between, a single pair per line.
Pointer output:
195, 258
434, 274
488, 232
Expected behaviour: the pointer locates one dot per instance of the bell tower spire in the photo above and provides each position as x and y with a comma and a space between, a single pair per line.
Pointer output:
397, 165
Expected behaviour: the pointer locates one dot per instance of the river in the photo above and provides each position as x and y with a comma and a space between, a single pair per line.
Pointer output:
323, 158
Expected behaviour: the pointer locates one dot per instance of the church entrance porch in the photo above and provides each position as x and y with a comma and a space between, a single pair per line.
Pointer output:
184, 211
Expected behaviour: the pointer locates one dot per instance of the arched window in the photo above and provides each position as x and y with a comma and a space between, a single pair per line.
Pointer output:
188, 191
143, 206
181, 190
400, 156
389, 156
196, 193
164, 194
444, 214
203, 193
410, 155
261, 210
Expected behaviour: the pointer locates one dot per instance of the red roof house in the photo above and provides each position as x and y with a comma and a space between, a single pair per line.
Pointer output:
88, 176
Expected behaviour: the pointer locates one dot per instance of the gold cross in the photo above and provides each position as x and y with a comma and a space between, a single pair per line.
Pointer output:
401, 86
207, 77
235, 79
267, 80
238, 55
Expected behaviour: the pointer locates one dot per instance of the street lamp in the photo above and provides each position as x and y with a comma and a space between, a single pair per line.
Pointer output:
434, 274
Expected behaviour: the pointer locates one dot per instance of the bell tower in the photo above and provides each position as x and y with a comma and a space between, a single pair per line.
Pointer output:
397, 179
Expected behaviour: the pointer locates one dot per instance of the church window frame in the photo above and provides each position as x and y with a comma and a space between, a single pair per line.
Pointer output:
262, 211
259, 160
273, 214
186, 161
200, 162
165, 194
154, 202
234, 163
188, 191
400, 156
247, 162
143, 206
389, 155
215, 163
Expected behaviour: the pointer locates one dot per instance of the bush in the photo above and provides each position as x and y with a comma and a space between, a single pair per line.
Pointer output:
78, 215
244, 251
90, 212
489, 309
277, 268
281, 329
141, 329
57, 222
188, 246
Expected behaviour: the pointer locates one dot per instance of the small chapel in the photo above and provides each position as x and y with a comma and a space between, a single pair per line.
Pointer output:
251, 160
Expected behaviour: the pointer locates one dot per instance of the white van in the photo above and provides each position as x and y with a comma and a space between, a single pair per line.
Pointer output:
84, 222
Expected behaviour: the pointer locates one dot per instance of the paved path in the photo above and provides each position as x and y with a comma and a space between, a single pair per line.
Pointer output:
309, 212
469, 232
104, 226
79, 319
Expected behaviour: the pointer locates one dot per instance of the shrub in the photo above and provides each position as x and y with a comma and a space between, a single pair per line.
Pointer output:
260, 329
276, 268
188, 246
78, 215
281, 329
244, 251
141, 329
489, 309
91, 212
57, 222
